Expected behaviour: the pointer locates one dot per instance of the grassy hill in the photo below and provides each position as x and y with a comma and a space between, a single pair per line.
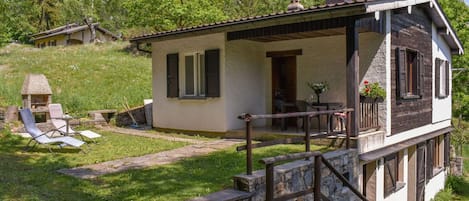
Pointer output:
82, 78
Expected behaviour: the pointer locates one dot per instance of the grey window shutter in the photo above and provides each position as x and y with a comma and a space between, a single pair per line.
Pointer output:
421, 74
437, 77
430, 155
401, 71
172, 72
447, 149
447, 78
212, 73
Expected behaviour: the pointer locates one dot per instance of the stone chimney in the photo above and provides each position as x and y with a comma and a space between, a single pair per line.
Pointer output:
295, 5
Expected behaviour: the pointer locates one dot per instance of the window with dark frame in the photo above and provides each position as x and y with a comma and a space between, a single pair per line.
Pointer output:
200, 75
393, 173
410, 73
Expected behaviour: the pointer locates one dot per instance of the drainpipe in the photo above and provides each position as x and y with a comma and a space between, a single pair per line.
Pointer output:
142, 50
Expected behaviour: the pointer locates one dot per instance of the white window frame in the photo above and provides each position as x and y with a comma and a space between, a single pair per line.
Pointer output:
442, 81
198, 74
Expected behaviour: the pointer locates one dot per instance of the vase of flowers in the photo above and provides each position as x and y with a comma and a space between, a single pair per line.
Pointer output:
318, 88
372, 92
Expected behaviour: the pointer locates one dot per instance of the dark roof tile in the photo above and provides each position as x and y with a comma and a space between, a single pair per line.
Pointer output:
260, 17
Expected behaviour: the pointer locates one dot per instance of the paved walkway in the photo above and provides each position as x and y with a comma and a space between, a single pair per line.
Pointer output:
199, 148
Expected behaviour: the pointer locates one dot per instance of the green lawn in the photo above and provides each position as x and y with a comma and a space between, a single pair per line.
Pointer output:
33, 176
82, 78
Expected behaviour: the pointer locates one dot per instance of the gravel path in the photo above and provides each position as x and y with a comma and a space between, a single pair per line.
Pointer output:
198, 148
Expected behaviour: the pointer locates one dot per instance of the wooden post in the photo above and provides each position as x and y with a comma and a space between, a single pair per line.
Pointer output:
317, 178
348, 131
248, 147
269, 180
353, 65
307, 136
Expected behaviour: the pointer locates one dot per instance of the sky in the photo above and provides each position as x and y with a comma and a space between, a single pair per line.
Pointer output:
467, 2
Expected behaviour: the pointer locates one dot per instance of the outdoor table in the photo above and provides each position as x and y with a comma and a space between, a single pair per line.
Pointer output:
67, 119
328, 106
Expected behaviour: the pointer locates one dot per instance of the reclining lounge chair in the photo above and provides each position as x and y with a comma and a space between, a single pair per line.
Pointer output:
39, 137
56, 115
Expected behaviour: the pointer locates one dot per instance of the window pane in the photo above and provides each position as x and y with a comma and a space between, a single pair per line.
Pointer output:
202, 74
442, 79
189, 74
412, 73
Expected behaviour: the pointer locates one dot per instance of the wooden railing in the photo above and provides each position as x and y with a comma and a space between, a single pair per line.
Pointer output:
369, 115
248, 118
316, 188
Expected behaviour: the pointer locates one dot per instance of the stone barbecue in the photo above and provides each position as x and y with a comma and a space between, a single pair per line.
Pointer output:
37, 95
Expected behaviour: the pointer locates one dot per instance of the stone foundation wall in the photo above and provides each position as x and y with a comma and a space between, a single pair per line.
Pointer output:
456, 165
299, 175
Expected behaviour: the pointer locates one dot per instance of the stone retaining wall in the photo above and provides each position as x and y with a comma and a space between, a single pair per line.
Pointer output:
124, 119
299, 175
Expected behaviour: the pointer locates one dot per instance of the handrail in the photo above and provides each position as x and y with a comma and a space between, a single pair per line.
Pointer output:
316, 189
248, 118
343, 179
286, 157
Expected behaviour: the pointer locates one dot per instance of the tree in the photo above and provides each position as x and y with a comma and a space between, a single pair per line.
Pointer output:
458, 14
171, 14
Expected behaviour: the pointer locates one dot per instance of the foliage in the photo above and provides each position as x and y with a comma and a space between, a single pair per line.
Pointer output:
460, 135
82, 78
458, 14
457, 188
318, 87
373, 90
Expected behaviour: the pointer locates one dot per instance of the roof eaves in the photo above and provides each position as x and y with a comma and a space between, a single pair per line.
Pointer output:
377, 6
313, 9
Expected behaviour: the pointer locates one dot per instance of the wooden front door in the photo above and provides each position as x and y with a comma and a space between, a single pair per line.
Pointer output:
420, 172
283, 80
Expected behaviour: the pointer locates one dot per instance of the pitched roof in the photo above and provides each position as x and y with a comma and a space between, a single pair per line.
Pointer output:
36, 84
227, 23
70, 30
54, 30
369, 6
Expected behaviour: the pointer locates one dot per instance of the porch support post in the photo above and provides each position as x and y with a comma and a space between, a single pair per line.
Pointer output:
353, 65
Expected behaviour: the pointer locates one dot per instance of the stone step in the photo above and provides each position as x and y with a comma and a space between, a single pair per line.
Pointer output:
225, 195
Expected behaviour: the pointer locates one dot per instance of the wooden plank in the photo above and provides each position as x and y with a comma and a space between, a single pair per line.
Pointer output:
284, 53
353, 65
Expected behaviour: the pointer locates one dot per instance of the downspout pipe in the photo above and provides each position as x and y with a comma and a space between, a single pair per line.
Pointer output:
142, 50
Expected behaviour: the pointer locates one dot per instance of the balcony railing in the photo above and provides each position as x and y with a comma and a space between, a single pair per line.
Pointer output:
369, 113
248, 118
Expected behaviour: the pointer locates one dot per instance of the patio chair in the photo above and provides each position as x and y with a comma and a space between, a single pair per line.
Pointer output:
39, 137
56, 115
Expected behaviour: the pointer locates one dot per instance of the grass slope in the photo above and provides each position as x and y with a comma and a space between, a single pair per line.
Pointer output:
82, 78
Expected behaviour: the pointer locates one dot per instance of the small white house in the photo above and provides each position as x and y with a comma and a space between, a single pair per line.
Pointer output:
72, 34
205, 76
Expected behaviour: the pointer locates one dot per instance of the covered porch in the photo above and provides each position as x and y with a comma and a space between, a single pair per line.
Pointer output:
282, 59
